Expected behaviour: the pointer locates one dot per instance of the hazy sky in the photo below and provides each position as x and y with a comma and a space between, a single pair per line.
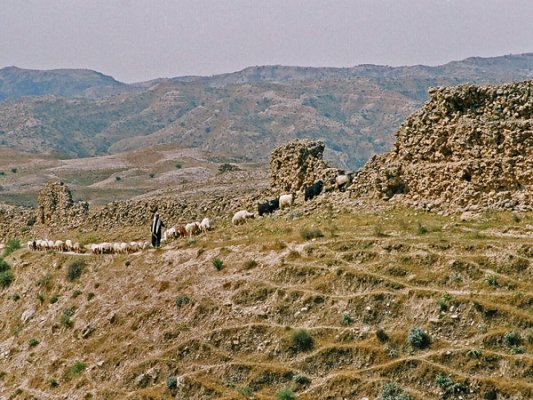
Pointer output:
136, 40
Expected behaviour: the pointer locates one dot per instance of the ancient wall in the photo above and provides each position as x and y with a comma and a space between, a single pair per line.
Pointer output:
468, 147
56, 207
298, 164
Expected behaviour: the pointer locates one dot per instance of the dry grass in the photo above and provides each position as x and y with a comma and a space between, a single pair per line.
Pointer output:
232, 336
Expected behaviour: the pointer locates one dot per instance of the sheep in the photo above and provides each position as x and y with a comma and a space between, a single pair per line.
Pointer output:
314, 190
32, 245
181, 231
341, 181
241, 217
192, 228
59, 245
50, 244
96, 249
133, 247
117, 248
169, 234
205, 225
68, 245
76, 247
269, 207
144, 245
286, 200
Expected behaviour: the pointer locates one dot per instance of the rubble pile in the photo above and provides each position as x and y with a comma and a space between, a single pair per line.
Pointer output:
468, 148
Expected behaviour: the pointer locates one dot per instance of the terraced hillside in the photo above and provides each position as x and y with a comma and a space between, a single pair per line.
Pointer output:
322, 302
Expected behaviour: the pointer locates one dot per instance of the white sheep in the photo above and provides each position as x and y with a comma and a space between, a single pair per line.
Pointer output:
144, 245
76, 247
286, 200
96, 248
32, 246
192, 228
341, 181
59, 245
241, 217
133, 247
68, 245
170, 233
205, 225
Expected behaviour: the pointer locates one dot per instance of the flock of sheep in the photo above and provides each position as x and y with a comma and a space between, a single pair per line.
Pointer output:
193, 228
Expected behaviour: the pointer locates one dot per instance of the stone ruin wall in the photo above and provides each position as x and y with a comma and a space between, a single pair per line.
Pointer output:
298, 164
56, 207
469, 148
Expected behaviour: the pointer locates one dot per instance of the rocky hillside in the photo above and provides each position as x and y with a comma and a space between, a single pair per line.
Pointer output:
244, 114
17, 82
469, 147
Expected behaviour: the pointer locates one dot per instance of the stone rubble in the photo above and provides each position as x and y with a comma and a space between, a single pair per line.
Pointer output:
469, 148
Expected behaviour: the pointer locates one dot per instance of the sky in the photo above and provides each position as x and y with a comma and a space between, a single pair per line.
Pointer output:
138, 40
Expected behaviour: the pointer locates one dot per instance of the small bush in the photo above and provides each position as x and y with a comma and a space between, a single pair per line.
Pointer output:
421, 229
15, 297
301, 379
33, 342
223, 168
182, 300
75, 270
491, 280
11, 246
418, 338
4, 266
6, 277
2, 173
382, 335
518, 350
118, 178
40, 297
77, 368
378, 231
76, 293
346, 319
391, 351
217, 263
127, 263
512, 339
45, 281
310, 233
53, 383
285, 394
178, 166
90, 296
246, 391
151, 175
65, 318
249, 264
172, 382
448, 386
302, 340
14, 170
391, 391
443, 301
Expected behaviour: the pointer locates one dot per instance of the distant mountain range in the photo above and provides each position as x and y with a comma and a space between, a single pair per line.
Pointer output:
79, 113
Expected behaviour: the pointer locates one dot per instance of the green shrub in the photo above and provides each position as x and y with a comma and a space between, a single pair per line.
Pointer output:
76, 293
301, 379
391, 391
15, 297
118, 178
246, 391
310, 233
53, 383
65, 318
448, 386
14, 170
421, 229
418, 338
518, 350
218, 263
4, 266
90, 296
151, 174
491, 280
6, 277
285, 394
443, 301
33, 342
77, 368
182, 300
40, 297
249, 264
512, 339
53, 299
11, 246
75, 270
346, 319
178, 166
302, 340
172, 382
382, 335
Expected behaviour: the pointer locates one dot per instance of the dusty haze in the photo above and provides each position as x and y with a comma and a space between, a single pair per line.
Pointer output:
136, 40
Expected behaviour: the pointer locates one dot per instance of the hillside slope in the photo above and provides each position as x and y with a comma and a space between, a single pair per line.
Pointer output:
167, 324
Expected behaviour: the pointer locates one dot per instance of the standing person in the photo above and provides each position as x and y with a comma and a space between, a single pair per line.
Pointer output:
157, 225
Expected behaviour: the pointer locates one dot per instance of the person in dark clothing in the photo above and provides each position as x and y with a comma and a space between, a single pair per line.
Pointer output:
157, 227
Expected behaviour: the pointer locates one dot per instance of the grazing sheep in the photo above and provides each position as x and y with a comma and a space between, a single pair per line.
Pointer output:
145, 245
241, 217
96, 249
133, 247
32, 245
76, 247
68, 245
192, 228
181, 231
59, 245
286, 200
314, 190
269, 207
50, 245
118, 249
342, 181
205, 225
169, 234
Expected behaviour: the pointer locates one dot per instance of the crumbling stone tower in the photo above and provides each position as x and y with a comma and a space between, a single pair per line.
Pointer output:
56, 206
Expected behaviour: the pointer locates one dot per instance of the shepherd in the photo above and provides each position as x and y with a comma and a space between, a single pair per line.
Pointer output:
157, 225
